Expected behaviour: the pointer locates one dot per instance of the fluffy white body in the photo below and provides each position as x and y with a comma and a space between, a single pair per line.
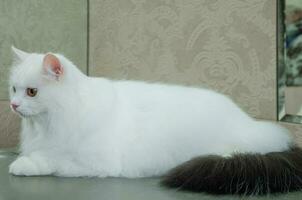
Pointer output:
83, 126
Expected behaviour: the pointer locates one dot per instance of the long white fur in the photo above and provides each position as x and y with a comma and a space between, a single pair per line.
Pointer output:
86, 126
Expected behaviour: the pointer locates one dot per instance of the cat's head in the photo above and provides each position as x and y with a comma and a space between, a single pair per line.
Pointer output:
35, 81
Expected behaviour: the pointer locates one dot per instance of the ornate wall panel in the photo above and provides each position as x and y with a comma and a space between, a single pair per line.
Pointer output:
227, 45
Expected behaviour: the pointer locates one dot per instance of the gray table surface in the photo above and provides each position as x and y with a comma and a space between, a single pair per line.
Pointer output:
42, 188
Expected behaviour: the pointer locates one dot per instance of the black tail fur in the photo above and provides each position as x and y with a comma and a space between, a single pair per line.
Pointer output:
247, 174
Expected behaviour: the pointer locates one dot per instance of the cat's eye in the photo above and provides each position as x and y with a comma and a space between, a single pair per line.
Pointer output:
31, 92
14, 89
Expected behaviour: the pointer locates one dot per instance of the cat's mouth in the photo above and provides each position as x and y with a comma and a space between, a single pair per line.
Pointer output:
21, 114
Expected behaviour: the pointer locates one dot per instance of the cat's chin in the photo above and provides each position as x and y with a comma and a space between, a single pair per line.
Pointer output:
31, 115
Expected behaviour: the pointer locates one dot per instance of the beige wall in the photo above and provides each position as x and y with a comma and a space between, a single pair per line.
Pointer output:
9, 126
226, 45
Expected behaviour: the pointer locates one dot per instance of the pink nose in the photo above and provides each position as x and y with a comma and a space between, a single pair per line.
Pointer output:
14, 106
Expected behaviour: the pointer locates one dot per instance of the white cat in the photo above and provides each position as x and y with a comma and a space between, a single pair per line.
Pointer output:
74, 125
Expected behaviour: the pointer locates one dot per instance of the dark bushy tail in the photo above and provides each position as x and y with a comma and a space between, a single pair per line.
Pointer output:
247, 174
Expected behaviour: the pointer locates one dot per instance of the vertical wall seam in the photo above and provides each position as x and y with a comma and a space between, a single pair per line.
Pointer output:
87, 39
277, 59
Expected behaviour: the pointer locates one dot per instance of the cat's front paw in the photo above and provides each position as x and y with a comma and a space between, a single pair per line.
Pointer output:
25, 166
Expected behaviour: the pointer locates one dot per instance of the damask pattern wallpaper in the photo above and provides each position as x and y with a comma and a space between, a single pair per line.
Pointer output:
226, 45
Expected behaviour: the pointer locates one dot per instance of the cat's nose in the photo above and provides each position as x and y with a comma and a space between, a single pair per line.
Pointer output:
14, 106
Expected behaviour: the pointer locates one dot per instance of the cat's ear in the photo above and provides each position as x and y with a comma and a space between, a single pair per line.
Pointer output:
52, 66
18, 55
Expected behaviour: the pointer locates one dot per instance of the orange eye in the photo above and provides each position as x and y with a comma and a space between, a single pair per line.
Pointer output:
31, 92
